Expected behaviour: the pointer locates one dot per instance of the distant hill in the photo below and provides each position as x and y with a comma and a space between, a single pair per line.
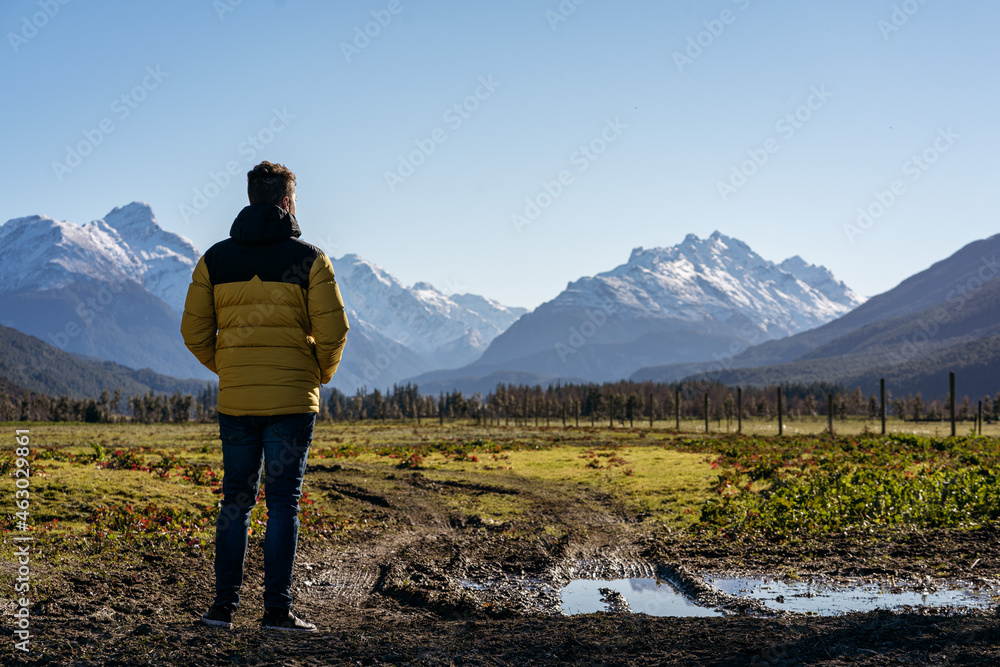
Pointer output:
946, 318
132, 326
28, 363
12, 390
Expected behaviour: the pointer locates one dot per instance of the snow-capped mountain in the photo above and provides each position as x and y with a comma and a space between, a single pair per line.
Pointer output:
822, 279
167, 258
715, 279
699, 300
114, 289
126, 245
448, 331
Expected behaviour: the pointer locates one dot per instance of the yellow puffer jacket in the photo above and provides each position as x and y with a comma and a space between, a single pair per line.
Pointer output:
264, 312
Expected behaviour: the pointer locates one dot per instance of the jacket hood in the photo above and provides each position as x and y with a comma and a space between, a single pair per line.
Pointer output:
258, 224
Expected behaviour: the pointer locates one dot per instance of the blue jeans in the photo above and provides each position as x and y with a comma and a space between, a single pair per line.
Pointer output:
281, 442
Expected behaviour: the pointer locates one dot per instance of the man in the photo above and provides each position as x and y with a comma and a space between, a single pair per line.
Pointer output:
264, 312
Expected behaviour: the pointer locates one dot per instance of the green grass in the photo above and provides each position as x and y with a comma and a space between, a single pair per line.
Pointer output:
852, 484
130, 486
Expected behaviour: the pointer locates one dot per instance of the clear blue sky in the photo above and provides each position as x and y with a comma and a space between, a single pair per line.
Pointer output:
199, 81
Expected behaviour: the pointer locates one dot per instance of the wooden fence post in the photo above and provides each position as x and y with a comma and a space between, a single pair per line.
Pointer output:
882, 404
739, 410
829, 413
677, 406
951, 401
706, 412
781, 423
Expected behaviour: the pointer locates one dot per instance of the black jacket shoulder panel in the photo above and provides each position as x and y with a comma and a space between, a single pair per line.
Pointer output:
287, 261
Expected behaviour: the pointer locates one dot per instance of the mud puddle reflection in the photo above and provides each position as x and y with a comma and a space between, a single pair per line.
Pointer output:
831, 598
641, 596
622, 586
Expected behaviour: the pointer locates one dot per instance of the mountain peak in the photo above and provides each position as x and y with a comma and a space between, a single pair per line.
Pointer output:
135, 219
795, 262
442, 330
715, 279
693, 249
821, 279
26, 220
126, 244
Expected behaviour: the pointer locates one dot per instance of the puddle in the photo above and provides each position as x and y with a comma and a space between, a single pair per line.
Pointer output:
676, 591
644, 596
831, 599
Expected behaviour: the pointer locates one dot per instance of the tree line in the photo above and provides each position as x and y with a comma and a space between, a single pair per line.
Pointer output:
110, 407
627, 401
621, 403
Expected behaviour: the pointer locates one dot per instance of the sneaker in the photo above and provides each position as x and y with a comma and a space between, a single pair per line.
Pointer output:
284, 619
218, 616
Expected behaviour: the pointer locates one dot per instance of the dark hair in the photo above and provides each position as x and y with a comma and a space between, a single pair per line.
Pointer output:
269, 183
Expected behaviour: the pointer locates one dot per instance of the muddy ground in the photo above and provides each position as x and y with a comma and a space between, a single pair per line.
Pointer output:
425, 583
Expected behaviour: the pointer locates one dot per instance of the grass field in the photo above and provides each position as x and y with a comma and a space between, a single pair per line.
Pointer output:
116, 481
126, 484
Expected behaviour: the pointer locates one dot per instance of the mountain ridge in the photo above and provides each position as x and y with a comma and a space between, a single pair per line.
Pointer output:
31, 364
940, 320
946, 280
689, 301
114, 288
